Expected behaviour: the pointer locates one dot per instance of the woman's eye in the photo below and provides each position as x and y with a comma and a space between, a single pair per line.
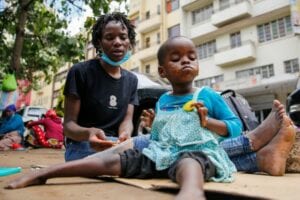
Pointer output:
124, 37
108, 37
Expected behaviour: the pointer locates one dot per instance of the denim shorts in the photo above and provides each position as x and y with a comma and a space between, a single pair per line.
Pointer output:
76, 150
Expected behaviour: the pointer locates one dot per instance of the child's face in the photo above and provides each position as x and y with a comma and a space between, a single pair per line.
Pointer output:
115, 42
180, 63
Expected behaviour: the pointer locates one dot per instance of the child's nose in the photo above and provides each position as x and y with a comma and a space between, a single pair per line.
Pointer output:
185, 59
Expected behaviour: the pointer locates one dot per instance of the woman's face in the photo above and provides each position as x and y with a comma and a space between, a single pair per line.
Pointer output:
115, 42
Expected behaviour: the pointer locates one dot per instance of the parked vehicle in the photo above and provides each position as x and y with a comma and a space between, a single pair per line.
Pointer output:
30, 113
293, 106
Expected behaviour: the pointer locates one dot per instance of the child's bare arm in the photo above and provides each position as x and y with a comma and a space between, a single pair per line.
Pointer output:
214, 125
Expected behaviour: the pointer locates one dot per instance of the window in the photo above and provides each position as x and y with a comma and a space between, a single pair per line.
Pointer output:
235, 40
174, 31
207, 49
209, 81
147, 69
291, 66
158, 9
239, 1
202, 14
136, 69
158, 38
172, 5
265, 71
60, 76
147, 42
275, 29
224, 4
148, 15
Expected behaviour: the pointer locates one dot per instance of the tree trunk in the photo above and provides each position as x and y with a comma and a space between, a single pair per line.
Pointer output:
20, 32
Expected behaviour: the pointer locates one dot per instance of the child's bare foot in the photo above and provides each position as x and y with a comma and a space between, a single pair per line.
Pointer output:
27, 180
191, 195
263, 134
271, 159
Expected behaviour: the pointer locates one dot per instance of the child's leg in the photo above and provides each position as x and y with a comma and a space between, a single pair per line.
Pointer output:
89, 167
190, 171
138, 142
272, 158
189, 176
258, 137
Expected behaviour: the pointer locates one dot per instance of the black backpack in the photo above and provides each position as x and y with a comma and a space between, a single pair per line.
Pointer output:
240, 106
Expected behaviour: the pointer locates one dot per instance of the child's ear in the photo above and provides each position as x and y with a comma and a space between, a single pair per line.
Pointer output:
161, 72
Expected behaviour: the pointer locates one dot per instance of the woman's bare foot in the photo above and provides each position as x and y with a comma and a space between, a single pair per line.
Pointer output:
263, 134
271, 159
26, 180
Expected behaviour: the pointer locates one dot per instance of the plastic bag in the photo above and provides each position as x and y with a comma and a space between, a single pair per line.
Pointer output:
9, 83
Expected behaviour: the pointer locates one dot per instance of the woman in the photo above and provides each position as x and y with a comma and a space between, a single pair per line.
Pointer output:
99, 94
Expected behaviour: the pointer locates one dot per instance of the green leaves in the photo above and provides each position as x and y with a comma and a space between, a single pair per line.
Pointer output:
46, 45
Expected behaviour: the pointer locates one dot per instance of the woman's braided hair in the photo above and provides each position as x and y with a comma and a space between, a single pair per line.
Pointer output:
103, 20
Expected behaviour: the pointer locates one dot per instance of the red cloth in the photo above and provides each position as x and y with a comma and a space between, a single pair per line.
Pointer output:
53, 127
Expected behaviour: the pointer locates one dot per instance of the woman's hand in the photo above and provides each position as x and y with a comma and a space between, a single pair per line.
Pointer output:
202, 112
97, 139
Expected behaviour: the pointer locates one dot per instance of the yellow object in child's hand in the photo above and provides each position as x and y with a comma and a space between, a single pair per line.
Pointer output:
188, 106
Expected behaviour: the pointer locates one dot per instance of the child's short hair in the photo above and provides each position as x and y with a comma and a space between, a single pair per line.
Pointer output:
103, 20
162, 51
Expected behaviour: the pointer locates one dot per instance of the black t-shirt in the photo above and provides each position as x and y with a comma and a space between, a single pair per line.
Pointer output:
104, 99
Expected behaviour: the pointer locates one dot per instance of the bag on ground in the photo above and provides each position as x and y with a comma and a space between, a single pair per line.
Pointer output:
241, 108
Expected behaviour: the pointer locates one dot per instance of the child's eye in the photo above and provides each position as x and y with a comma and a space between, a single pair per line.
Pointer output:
192, 56
175, 58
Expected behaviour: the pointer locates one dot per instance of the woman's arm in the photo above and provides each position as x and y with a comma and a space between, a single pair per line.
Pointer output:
72, 129
126, 127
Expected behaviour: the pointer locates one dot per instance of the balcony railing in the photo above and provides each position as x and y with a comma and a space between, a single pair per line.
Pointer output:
147, 24
228, 56
233, 12
146, 52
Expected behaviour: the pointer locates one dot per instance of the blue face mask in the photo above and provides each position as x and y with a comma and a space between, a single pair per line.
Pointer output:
106, 59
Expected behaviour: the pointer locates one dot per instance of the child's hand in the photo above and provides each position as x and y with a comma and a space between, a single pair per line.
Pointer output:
147, 118
202, 112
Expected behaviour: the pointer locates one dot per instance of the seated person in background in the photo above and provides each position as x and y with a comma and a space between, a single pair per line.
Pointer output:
11, 129
52, 136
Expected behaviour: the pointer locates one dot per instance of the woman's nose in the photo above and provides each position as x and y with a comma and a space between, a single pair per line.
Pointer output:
117, 41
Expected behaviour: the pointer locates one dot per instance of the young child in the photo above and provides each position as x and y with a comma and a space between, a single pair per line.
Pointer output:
181, 147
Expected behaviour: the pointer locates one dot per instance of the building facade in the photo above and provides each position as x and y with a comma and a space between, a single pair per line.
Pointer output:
246, 45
